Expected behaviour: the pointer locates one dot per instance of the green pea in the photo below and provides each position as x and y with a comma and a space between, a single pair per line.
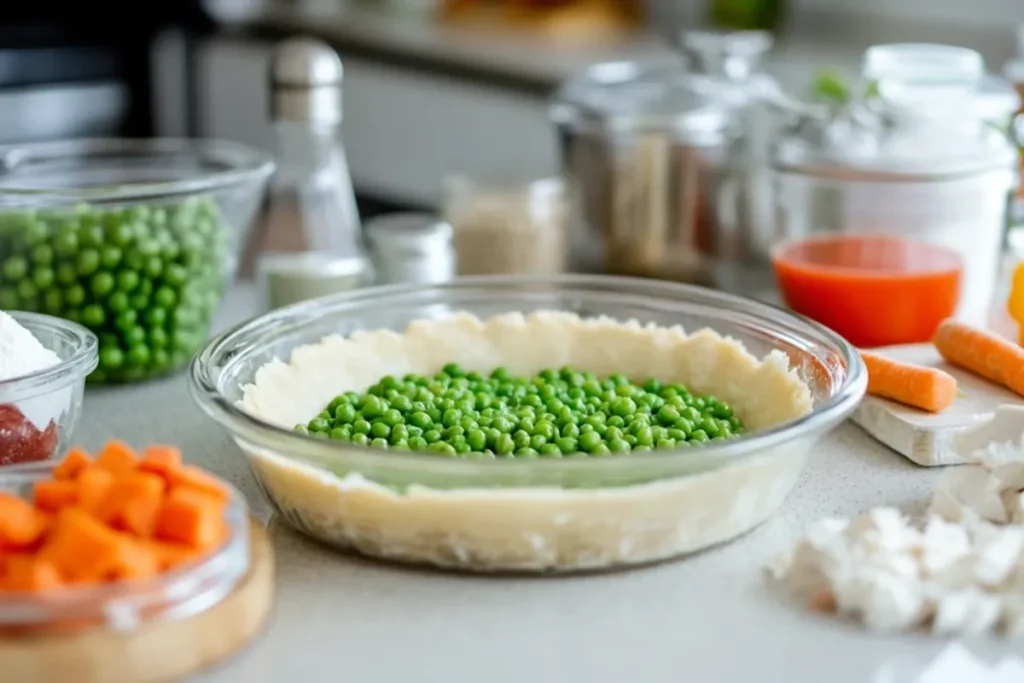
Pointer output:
14, 268
618, 445
668, 415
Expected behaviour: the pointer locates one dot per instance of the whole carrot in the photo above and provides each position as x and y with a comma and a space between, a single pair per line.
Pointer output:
913, 385
984, 353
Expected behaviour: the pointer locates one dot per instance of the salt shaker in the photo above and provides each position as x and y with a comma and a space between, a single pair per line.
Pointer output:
313, 243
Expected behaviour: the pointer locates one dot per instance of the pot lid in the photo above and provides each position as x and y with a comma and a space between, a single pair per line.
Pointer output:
629, 95
930, 119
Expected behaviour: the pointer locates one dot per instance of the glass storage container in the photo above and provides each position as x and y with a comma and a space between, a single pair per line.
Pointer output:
920, 159
507, 227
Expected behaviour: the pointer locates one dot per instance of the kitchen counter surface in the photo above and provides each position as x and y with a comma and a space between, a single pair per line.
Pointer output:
710, 617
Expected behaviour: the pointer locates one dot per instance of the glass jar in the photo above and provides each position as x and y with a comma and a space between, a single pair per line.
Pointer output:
919, 159
508, 228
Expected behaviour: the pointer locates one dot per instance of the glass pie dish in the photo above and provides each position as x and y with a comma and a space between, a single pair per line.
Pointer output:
122, 606
542, 514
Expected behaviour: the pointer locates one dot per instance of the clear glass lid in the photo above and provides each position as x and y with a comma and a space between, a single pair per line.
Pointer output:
634, 95
926, 115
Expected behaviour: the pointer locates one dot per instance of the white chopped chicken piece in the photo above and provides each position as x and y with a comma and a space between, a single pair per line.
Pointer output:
1012, 623
969, 611
883, 601
943, 544
968, 492
997, 553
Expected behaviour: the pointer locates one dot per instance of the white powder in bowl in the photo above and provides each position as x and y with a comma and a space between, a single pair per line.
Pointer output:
20, 352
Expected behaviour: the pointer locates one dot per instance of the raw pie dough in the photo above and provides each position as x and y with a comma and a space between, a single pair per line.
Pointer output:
533, 529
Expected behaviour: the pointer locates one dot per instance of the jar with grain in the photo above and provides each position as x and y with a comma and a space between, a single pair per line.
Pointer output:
508, 228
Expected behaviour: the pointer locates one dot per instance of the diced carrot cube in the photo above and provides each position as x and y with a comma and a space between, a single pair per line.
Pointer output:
170, 555
133, 503
52, 495
28, 573
93, 484
193, 477
134, 561
21, 525
118, 457
191, 517
73, 463
162, 460
81, 547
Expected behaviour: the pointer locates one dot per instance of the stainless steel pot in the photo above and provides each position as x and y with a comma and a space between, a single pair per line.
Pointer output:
669, 165
921, 159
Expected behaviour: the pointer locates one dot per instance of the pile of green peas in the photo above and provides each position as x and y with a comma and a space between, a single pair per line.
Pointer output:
555, 414
145, 278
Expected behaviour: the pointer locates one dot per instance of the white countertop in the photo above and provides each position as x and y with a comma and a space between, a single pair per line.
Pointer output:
707, 618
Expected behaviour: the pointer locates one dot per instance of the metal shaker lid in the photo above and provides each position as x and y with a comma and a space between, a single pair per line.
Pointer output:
408, 232
926, 122
306, 78
649, 97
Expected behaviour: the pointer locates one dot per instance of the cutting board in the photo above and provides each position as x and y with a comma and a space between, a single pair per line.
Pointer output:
984, 413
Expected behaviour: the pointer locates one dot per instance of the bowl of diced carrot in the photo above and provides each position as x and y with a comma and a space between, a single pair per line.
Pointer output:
116, 539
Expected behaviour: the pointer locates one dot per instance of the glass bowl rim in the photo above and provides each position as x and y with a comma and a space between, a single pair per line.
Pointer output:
99, 598
248, 165
239, 422
80, 363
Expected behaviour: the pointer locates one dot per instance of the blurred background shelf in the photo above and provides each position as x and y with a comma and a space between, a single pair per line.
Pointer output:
423, 97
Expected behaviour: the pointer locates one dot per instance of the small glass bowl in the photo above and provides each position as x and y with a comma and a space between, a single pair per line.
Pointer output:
540, 515
50, 399
123, 606
135, 239
875, 290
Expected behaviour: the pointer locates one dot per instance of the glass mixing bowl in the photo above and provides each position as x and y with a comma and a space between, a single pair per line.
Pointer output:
39, 412
533, 515
134, 239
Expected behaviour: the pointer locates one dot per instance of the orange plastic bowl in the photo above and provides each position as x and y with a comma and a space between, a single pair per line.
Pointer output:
874, 290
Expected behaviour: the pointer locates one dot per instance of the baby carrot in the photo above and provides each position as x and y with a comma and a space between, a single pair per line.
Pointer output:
981, 352
913, 385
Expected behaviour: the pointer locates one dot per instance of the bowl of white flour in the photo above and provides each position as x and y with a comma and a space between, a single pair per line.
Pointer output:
43, 365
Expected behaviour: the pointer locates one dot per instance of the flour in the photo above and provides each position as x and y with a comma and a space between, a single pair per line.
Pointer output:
20, 352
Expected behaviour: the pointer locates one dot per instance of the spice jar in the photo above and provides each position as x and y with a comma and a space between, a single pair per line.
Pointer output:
508, 228
410, 248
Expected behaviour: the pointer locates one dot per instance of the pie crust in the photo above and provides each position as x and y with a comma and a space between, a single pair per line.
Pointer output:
531, 528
